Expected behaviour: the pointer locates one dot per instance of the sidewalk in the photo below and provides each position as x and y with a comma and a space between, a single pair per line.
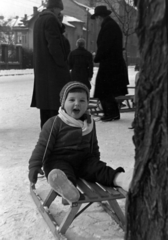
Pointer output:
14, 72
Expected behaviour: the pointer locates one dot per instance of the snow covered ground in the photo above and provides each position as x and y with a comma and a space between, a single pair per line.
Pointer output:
131, 73
19, 130
13, 72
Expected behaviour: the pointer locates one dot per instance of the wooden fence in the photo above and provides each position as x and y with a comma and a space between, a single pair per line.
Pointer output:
10, 56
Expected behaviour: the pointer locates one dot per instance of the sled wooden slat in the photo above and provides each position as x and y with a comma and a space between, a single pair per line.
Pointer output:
114, 192
93, 193
90, 193
96, 188
86, 190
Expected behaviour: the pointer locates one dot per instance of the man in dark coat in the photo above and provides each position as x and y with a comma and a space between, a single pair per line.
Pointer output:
50, 61
63, 29
112, 77
81, 64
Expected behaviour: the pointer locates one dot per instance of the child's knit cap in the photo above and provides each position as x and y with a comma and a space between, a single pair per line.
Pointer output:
69, 86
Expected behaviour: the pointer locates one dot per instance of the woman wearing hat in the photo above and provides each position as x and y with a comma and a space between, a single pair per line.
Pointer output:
112, 77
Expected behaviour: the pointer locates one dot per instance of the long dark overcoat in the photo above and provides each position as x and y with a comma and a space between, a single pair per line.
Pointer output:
112, 77
51, 70
81, 65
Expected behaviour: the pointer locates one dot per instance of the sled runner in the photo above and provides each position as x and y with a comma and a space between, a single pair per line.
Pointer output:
89, 193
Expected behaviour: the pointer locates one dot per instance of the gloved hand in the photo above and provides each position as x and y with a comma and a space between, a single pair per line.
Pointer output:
33, 173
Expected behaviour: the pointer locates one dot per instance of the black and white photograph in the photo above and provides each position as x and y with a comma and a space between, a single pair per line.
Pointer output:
83, 120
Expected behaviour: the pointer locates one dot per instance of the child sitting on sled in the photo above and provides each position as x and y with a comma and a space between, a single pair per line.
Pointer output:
68, 149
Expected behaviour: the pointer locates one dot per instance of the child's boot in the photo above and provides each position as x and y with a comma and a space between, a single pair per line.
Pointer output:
60, 184
124, 179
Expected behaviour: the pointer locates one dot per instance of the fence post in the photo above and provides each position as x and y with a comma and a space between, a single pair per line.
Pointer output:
5, 55
19, 54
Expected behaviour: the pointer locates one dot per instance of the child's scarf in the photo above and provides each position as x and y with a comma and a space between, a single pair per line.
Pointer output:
84, 125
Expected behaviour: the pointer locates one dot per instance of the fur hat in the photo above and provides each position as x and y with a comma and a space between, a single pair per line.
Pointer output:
101, 11
55, 4
69, 86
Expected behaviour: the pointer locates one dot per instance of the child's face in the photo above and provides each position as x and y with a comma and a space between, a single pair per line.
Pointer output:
76, 104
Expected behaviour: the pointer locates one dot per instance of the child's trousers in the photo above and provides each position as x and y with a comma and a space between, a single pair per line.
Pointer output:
91, 170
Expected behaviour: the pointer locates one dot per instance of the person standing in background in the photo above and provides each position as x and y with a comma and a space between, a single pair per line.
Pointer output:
51, 70
81, 64
112, 77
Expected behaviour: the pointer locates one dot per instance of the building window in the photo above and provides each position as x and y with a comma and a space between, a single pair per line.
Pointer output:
24, 39
19, 37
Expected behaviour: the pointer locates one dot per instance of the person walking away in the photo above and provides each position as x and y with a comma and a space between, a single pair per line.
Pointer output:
51, 70
71, 148
81, 64
112, 77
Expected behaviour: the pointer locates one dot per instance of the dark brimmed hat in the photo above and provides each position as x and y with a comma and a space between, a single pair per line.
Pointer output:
69, 86
101, 11
55, 4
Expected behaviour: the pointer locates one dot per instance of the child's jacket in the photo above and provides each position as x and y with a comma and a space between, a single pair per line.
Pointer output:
66, 143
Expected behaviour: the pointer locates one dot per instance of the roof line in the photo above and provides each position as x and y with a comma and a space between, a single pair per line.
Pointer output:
83, 6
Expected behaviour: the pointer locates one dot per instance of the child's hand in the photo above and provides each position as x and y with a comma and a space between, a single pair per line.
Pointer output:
33, 173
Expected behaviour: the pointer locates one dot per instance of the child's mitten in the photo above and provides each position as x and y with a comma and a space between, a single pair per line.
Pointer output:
33, 173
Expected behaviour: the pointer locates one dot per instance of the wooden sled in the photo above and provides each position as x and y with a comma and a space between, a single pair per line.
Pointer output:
129, 100
89, 193
95, 107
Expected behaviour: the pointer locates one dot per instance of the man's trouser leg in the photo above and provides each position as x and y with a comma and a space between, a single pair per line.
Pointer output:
46, 114
110, 107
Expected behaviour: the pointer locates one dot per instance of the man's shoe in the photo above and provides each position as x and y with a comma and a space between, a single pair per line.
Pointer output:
116, 118
60, 184
106, 119
109, 118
